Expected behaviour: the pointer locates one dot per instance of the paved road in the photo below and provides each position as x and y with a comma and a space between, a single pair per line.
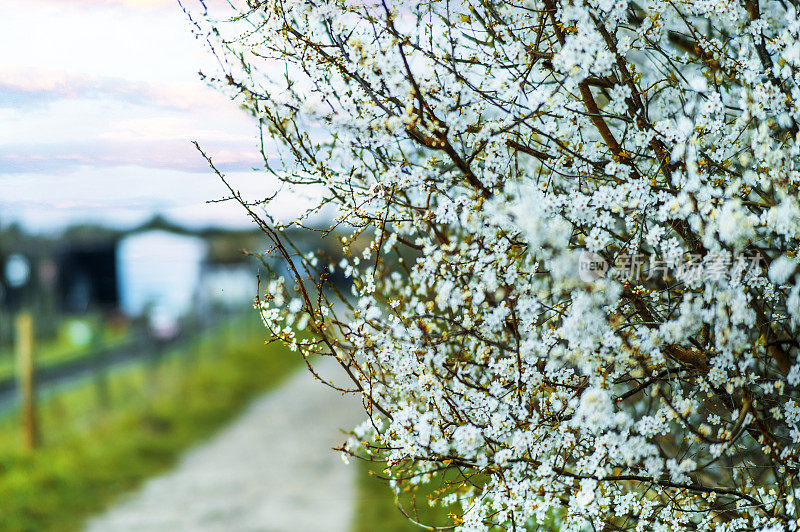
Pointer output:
271, 470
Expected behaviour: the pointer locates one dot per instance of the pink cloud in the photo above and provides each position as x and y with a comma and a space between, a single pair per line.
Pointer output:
19, 86
138, 5
78, 4
169, 154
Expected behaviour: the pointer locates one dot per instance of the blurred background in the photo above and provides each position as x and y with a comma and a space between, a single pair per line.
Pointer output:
127, 330
120, 349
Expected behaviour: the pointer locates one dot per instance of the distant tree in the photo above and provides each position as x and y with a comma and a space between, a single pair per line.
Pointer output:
581, 295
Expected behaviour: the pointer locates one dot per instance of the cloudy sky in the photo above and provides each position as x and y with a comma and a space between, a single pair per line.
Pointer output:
99, 100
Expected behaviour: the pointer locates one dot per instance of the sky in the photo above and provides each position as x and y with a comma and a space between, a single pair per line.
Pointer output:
99, 100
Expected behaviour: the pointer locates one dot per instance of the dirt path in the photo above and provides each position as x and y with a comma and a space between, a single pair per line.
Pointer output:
271, 469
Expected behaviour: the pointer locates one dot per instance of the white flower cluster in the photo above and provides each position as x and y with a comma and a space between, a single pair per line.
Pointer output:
475, 150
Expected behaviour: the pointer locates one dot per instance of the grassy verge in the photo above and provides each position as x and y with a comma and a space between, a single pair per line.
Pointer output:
377, 509
62, 348
95, 450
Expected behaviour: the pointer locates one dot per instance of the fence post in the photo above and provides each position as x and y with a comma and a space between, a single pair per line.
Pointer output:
27, 384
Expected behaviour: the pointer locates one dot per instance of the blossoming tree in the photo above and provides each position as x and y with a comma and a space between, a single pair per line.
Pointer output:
580, 299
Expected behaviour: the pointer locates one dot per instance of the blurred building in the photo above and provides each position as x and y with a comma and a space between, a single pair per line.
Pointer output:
87, 276
158, 270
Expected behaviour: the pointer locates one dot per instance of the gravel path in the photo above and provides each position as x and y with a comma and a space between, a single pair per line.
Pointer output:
271, 469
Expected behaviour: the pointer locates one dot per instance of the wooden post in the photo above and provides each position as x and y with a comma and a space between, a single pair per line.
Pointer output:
27, 385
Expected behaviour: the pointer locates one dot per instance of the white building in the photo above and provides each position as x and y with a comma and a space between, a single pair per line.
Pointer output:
228, 286
159, 272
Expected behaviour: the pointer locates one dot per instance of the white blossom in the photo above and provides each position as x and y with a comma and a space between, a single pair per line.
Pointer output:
473, 155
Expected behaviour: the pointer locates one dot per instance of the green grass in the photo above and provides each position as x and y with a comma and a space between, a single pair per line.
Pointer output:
61, 348
94, 450
377, 509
